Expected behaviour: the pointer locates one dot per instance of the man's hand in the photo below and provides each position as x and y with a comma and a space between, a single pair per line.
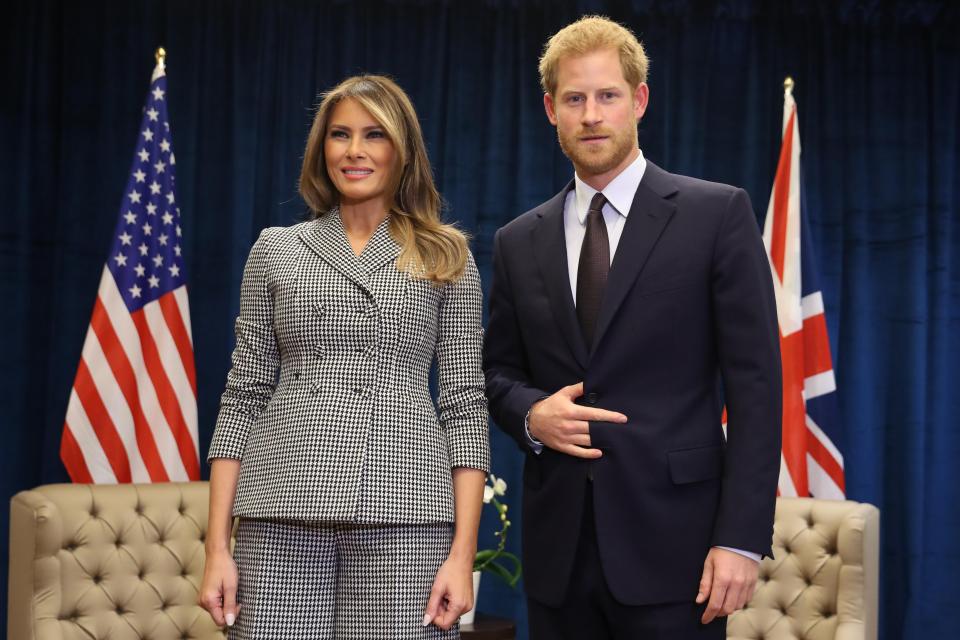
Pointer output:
563, 426
729, 580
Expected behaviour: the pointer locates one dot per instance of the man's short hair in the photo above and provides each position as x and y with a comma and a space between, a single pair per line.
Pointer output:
589, 34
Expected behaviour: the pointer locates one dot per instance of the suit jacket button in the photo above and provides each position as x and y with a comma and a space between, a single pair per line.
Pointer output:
591, 398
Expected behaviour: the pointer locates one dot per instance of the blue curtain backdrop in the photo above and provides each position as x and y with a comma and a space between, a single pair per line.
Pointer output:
878, 87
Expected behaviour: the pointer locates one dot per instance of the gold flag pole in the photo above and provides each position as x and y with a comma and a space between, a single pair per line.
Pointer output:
160, 55
788, 85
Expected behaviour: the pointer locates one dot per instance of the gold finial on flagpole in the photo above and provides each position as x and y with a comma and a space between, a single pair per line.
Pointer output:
788, 84
160, 55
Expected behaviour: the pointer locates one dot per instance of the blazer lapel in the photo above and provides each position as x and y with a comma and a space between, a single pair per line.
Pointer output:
649, 215
328, 240
550, 251
381, 249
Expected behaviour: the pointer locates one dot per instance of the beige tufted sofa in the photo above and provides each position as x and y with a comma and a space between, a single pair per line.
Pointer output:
117, 562
112, 562
822, 583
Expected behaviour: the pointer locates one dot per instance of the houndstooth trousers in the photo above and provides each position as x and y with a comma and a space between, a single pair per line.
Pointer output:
337, 581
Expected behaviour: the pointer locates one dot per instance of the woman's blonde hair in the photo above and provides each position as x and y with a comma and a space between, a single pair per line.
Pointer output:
429, 249
588, 34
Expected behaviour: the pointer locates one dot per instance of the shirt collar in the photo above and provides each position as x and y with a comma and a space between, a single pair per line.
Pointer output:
619, 193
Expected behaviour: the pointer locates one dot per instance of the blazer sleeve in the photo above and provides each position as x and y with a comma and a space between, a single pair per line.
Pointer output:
255, 361
507, 373
748, 343
461, 401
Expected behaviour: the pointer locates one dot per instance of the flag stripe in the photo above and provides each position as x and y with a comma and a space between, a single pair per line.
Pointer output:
781, 190
82, 433
181, 337
183, 304
816, 346
172, 364
72, 457
103, 426
104, 378
827, 462
169, 404
821, 484
126, 379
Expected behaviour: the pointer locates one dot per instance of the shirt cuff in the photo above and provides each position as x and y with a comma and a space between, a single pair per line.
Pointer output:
535, 445
747, 554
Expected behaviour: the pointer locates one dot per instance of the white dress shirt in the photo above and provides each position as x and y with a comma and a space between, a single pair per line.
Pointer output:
619, 194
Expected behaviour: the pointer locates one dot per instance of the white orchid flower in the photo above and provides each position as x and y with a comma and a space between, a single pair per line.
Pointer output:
499, 486
487, 494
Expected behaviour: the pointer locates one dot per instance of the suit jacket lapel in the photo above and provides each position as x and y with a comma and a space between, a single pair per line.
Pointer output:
328, 240
550, 250
649, 215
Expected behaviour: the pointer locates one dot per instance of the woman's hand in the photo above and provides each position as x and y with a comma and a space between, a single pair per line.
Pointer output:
218, 591
452, 593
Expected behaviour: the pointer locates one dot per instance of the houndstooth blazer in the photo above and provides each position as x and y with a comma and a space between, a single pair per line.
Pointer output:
327, 404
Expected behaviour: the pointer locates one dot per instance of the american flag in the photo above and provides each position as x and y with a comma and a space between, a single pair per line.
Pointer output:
811, 462
132, 413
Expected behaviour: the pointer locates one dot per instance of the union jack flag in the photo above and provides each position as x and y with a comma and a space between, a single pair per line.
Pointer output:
132, 412
811, 462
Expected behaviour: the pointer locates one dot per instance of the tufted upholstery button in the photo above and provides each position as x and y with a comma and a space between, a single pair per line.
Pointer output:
119, 610
138, 509
97, 579
71, 546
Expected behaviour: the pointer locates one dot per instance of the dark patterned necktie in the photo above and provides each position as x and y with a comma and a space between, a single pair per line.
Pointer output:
593, 268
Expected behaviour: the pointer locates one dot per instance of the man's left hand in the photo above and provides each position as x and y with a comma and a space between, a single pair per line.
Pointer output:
729, 580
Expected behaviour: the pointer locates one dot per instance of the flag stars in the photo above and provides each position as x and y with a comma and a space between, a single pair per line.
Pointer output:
120, 259
144, 156
158, 93
134, 196
152, 114
139, 175
163, 239
154, 281
164, 145
147, 135
140, 269
166, 125
125, 238
154, 187
151, 208
176, 249
160, 165
158, 261
167, 218
170, 197
147, 229
173, 160
130, 217
143, 248
179, 232
135, 291
174, 271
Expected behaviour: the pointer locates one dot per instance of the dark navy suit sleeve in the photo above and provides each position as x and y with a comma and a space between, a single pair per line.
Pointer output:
748, 344
507, 371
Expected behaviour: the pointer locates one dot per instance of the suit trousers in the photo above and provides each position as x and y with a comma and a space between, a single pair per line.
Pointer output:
589, 610
325, 581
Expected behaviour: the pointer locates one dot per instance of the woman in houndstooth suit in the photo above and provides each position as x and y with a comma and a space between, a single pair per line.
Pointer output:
358, 498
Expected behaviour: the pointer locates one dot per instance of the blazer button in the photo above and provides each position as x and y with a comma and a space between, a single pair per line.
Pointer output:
591, 398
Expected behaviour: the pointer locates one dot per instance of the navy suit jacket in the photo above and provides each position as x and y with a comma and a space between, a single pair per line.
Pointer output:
688, 323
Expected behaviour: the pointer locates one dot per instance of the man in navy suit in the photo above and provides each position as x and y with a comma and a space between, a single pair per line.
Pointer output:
625, 312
